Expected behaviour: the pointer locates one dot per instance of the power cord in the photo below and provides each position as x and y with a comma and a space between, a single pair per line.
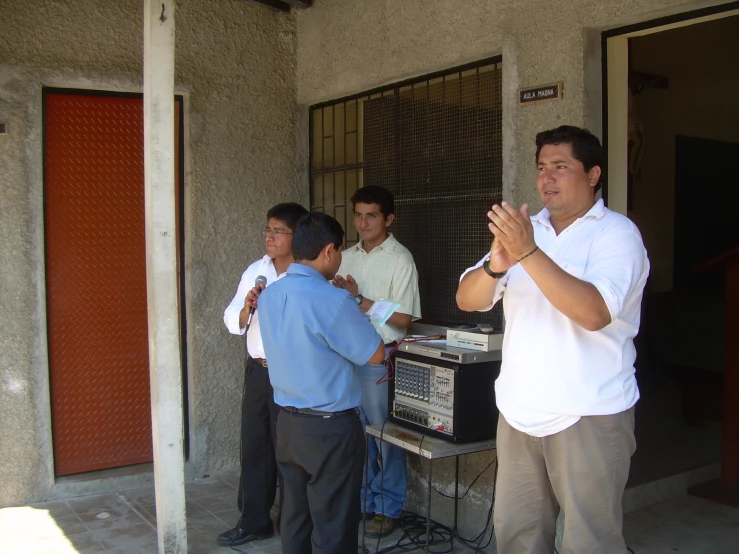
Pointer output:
470, 543
414, 525
488, 523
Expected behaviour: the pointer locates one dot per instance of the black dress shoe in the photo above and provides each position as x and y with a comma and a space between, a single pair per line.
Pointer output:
238, 535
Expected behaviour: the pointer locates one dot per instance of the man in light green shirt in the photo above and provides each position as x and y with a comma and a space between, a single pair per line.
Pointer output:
380, 268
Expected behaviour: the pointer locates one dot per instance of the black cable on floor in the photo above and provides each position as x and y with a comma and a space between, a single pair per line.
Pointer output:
414, 535
470, 543
414, 525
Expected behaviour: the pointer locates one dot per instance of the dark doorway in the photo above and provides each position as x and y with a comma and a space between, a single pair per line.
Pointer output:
706, 199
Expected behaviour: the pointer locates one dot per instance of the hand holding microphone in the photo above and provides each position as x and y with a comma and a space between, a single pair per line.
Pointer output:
251, 299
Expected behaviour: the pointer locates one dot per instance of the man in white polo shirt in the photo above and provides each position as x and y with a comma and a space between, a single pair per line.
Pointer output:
571, 278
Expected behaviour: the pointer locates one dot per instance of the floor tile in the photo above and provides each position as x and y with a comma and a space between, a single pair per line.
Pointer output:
229, 517
147, 513
144, 496
204, 524
120, 515
139, 536
207, 544
87, 544
209, 487
231, 479
215, 503
71, 525
55, 508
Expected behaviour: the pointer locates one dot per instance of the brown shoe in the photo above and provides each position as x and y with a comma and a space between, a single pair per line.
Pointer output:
380, 526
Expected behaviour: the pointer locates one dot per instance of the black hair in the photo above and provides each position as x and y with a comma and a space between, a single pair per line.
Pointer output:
585, 147
373, 194
287, 212
313, 232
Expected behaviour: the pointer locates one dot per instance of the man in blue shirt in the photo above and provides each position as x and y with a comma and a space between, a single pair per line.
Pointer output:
314, 336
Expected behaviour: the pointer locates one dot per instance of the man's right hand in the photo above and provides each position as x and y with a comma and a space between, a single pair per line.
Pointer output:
252, 297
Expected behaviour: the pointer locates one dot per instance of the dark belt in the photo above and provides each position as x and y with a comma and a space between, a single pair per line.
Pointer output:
261, 361
318, 413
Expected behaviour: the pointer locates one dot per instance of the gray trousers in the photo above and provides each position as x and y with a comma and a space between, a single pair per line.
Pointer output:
582, 470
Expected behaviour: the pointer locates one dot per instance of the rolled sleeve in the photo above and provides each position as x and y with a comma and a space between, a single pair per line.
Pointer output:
351, 334
499, 287
618, 267
231, 313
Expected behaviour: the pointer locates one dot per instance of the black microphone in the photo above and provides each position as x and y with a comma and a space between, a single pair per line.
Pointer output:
260, 280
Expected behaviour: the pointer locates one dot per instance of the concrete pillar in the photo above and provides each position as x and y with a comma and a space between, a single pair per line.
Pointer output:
161, 275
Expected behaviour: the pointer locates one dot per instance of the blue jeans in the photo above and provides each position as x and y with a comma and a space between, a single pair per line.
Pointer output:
386, 490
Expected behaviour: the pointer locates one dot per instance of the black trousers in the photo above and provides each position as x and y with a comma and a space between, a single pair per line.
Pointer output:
259, 472
321, 461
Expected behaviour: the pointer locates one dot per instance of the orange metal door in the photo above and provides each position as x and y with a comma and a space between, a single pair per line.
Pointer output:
96, 281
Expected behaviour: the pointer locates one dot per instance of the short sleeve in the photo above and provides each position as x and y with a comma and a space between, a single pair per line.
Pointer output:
350, 333
499, 288
405, 287
617, 266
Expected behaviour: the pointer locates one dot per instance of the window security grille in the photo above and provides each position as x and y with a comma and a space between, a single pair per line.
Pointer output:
436, 143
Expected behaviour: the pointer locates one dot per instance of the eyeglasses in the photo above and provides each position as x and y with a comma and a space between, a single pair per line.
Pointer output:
275, 232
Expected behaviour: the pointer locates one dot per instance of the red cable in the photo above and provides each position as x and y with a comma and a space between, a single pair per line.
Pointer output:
388, 363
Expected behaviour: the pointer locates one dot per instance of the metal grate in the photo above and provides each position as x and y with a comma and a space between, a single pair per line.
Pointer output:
436, 143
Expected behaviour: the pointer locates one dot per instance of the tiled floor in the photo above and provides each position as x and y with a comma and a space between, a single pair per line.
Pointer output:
124, 522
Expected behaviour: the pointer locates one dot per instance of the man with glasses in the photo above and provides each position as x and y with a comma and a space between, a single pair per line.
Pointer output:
259, 473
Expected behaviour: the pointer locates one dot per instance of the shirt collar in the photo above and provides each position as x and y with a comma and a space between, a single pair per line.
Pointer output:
296, 268
596, 212
388, 244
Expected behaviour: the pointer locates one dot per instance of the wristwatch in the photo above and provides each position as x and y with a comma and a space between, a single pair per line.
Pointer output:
493, 274
359, 298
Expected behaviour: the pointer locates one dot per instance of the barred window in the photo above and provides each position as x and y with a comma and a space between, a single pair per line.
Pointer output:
436, 143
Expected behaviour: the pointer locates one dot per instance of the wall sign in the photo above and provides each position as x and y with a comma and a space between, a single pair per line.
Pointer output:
543, 93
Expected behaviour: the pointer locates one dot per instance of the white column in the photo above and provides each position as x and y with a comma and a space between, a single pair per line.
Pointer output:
161, 275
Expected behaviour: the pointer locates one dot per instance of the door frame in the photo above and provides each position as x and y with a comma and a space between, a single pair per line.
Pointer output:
615, 82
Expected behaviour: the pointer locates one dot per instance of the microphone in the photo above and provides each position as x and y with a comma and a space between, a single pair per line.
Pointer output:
260, 280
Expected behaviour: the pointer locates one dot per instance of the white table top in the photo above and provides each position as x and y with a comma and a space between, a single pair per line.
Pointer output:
427, 446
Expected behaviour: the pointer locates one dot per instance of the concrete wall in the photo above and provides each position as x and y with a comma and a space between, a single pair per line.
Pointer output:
236, 69
346, 47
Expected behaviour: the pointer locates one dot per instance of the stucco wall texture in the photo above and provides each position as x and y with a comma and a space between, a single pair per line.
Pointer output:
235, 66
350, 47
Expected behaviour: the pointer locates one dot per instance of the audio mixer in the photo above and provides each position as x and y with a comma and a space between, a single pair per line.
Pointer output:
445, 391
